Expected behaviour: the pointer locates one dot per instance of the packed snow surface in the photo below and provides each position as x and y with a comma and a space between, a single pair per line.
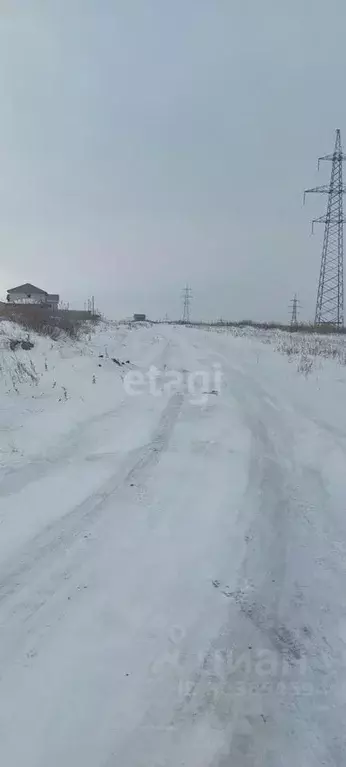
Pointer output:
172, 549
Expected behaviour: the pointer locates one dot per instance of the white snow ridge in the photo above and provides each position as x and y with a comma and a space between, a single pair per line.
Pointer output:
172, 567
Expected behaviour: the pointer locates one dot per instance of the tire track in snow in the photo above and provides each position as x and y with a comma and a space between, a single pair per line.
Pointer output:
66, 531
287, 708
261, 617
16, 478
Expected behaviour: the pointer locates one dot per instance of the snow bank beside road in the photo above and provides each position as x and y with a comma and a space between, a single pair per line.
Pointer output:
47, 391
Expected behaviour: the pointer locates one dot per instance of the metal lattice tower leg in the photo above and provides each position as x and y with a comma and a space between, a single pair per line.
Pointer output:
330, 295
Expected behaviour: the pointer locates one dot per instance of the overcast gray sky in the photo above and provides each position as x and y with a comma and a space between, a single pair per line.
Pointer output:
149, 143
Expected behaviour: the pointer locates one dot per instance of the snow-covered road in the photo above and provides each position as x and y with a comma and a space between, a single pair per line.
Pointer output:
173, 574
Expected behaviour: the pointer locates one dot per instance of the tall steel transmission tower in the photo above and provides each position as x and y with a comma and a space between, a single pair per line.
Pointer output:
330, 295
187, 296
294, 311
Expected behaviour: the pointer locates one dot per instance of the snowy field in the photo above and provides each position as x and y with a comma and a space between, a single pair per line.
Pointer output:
172, 549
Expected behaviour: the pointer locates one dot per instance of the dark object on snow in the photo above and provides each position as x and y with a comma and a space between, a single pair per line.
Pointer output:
100, 366
26, 345
118, 362
14, 342
100, 356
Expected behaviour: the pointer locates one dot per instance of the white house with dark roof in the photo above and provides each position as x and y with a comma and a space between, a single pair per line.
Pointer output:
30, 294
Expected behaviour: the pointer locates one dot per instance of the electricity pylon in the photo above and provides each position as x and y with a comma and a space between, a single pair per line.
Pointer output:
294, 307
187, 296
330, 294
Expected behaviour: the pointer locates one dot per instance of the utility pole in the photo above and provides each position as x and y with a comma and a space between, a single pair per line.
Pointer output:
187, 297
330, 294
294, 306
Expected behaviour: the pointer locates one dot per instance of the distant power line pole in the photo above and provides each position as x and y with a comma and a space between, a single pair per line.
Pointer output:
90, 305
294, 307
187, 298
330, 295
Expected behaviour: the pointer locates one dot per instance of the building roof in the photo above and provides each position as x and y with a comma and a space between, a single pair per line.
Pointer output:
27, 288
